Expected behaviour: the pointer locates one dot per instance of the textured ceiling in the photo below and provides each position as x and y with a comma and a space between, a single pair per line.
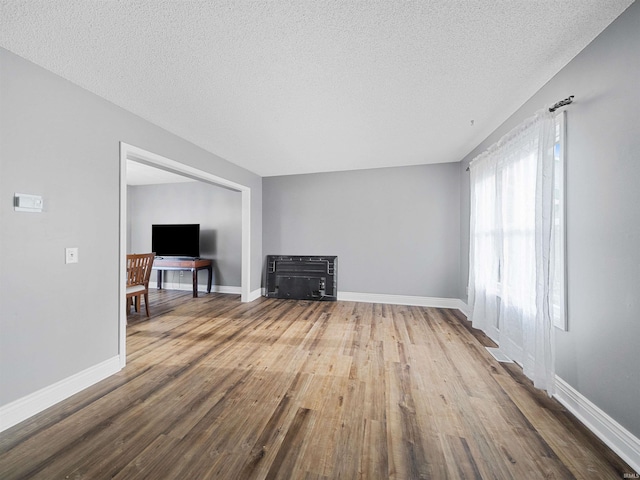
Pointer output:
284, 87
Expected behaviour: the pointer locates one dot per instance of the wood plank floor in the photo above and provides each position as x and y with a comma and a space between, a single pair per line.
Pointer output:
217, 389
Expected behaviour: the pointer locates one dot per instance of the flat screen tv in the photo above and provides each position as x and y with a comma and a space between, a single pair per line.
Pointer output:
177, 240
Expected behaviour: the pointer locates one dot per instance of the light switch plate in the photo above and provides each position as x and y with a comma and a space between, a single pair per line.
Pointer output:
71, 255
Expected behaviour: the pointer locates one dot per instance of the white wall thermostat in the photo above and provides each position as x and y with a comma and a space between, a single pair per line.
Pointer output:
23, 202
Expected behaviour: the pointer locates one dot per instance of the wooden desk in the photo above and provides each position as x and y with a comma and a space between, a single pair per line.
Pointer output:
195, 265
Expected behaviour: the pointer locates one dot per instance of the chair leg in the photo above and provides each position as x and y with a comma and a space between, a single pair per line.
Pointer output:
146, 302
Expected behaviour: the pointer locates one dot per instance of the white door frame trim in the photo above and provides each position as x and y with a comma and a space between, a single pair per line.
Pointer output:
136, 154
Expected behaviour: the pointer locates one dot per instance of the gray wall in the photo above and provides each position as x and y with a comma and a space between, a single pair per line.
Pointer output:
598, 356
395, 230
217, 210
62, 142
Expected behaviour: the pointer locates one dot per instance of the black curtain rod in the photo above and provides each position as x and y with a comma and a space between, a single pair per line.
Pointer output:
561, 103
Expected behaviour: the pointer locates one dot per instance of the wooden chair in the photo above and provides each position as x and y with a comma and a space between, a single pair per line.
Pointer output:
138, 274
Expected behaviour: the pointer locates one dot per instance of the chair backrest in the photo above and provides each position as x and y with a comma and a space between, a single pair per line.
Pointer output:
139, 268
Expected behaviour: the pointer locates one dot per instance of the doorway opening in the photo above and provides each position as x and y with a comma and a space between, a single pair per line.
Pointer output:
130, 153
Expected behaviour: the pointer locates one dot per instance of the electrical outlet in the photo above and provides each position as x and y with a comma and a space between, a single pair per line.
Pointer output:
71, 255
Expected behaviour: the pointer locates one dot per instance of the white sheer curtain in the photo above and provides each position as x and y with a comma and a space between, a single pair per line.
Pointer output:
511, 230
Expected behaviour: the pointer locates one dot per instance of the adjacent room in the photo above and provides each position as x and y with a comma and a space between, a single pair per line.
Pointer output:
408, 239
159, 197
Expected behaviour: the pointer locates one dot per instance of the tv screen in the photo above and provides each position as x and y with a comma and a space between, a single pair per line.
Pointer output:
179, 240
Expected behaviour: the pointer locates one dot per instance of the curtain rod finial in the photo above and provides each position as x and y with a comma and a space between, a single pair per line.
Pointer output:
562, 103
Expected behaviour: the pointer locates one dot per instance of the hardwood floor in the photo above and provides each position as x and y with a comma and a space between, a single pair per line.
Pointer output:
217, 389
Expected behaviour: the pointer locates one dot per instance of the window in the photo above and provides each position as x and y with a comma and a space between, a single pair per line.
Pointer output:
517, 243
516, 187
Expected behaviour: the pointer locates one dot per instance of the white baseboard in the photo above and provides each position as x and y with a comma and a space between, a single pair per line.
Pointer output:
187, 286
621, 441
416, 301
464, 308
225, 289
257, 293
25, 407
402, 300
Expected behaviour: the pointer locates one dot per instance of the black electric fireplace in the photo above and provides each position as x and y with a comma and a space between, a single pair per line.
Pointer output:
302, 277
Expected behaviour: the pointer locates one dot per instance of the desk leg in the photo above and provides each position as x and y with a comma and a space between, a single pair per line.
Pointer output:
195, 282
159, 280
210, 270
